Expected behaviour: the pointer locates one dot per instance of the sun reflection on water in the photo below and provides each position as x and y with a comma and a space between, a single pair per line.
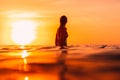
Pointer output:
24, 54
24, 66
26, 78
25, 61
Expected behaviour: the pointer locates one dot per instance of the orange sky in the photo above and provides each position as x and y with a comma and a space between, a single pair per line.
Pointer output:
89, 21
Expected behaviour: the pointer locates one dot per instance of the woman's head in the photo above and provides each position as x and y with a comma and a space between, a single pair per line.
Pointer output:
63, 20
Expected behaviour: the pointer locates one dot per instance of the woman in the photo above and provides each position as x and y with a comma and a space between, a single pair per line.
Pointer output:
61, 35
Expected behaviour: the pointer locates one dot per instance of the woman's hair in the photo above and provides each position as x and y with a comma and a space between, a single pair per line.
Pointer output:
63, 20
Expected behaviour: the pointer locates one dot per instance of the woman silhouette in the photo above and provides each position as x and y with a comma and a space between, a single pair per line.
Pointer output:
61, 35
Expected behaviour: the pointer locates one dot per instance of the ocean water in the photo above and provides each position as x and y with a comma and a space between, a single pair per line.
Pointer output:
51, 63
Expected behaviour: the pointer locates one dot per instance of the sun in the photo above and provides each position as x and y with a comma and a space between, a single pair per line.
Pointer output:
23, 31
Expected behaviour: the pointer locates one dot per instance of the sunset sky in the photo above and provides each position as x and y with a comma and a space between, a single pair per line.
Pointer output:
89, 21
